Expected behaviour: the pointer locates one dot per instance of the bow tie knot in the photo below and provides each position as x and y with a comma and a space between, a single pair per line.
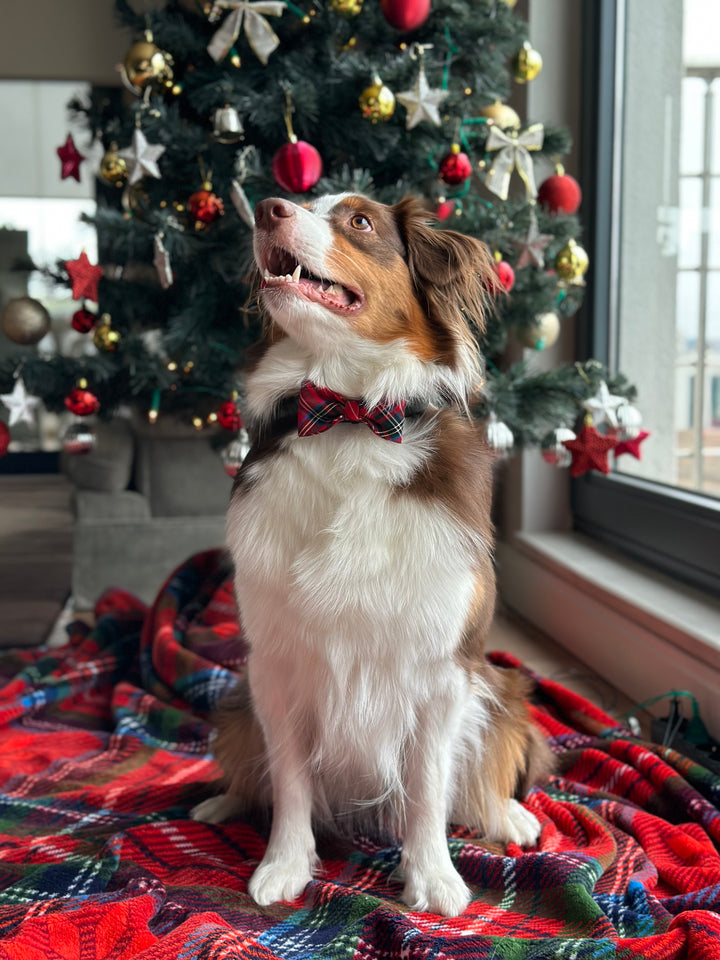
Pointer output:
320, 408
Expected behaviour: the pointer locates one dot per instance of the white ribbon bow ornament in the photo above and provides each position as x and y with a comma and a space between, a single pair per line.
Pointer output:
513, 154
250, 14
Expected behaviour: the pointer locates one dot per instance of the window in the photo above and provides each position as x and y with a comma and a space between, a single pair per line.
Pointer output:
651, 152
39, 225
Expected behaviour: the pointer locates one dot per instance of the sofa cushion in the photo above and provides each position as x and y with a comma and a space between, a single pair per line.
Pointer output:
178, 471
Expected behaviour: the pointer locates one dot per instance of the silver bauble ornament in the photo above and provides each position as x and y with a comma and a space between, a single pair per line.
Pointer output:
499, 436
629, 420
80, 437
25, 321
552, 447
227, 125
235, 452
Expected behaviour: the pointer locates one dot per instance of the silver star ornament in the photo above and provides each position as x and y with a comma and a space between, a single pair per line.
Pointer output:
604, 405
20, 404
532, 246
421, 102
142, 158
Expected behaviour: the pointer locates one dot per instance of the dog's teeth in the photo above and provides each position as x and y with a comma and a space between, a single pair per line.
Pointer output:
267, 275
335, 289
288, 278
296, 273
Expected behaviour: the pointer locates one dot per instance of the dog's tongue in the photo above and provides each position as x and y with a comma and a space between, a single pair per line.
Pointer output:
332, 293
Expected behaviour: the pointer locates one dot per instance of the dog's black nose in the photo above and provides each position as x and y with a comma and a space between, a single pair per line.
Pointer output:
269, 212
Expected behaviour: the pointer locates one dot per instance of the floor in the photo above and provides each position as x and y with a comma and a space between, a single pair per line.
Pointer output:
35, 571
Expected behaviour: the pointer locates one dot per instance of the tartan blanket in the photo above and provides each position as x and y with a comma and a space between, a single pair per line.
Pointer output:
106, 744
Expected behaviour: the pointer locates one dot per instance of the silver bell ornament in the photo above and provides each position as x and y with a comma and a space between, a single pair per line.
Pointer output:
629, 421
227, 125
499, 436
80, 437
552, 447
235, 452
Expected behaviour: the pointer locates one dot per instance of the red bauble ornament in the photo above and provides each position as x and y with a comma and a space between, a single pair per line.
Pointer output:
504, 278
84, 278
590, 451
70, 159
405, 15
4, 439
83, 320
82, 402
205, 206
229, 416
455, 168
297, 166
506, 275
560, 193
445, 209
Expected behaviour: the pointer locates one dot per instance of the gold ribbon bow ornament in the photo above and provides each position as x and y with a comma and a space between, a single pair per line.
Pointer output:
513, 154
249, 14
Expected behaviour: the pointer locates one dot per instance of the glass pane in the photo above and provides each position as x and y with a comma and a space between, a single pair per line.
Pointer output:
713, 224
691, 222
692, 125
687, 313
715, 135
711, 396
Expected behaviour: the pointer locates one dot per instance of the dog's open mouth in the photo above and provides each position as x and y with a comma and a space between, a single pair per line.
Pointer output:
280, 268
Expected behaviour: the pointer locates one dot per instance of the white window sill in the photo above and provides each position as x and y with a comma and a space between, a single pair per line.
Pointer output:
641, 631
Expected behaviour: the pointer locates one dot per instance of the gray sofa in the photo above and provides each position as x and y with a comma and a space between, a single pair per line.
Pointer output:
145, 498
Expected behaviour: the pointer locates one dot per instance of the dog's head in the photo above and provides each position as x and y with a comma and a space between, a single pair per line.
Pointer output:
373, 285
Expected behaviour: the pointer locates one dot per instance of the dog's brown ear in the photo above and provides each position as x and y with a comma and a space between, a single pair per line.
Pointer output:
449, 270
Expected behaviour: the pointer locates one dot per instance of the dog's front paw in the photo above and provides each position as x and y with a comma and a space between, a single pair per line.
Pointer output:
216, 809
441, 892
516, 825
280, 880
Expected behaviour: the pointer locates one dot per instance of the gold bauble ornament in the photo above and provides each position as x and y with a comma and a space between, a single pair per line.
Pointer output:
104, 337
377, 101
541, 333
348, 8
113, 167
24, 321
527, 63
501, 115
510, 3
572, 262
146, 64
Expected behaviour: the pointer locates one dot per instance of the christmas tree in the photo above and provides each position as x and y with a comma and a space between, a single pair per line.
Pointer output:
232, 101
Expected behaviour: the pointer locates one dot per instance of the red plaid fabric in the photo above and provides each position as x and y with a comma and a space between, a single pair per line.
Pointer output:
320, 408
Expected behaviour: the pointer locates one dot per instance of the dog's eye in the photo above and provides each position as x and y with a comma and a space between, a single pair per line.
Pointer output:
359, 222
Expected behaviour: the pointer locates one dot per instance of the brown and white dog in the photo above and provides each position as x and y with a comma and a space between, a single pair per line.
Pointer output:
364, 570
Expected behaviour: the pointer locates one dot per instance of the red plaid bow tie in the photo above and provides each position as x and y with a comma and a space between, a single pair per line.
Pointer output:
320, 408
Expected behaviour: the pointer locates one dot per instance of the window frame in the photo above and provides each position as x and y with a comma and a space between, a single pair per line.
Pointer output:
674, 530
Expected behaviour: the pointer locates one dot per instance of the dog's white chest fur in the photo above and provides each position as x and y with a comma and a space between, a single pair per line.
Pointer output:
359, 595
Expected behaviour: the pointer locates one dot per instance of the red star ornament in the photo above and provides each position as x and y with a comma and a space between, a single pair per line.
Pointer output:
589, 451
70, 159
632, 446
84, 277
